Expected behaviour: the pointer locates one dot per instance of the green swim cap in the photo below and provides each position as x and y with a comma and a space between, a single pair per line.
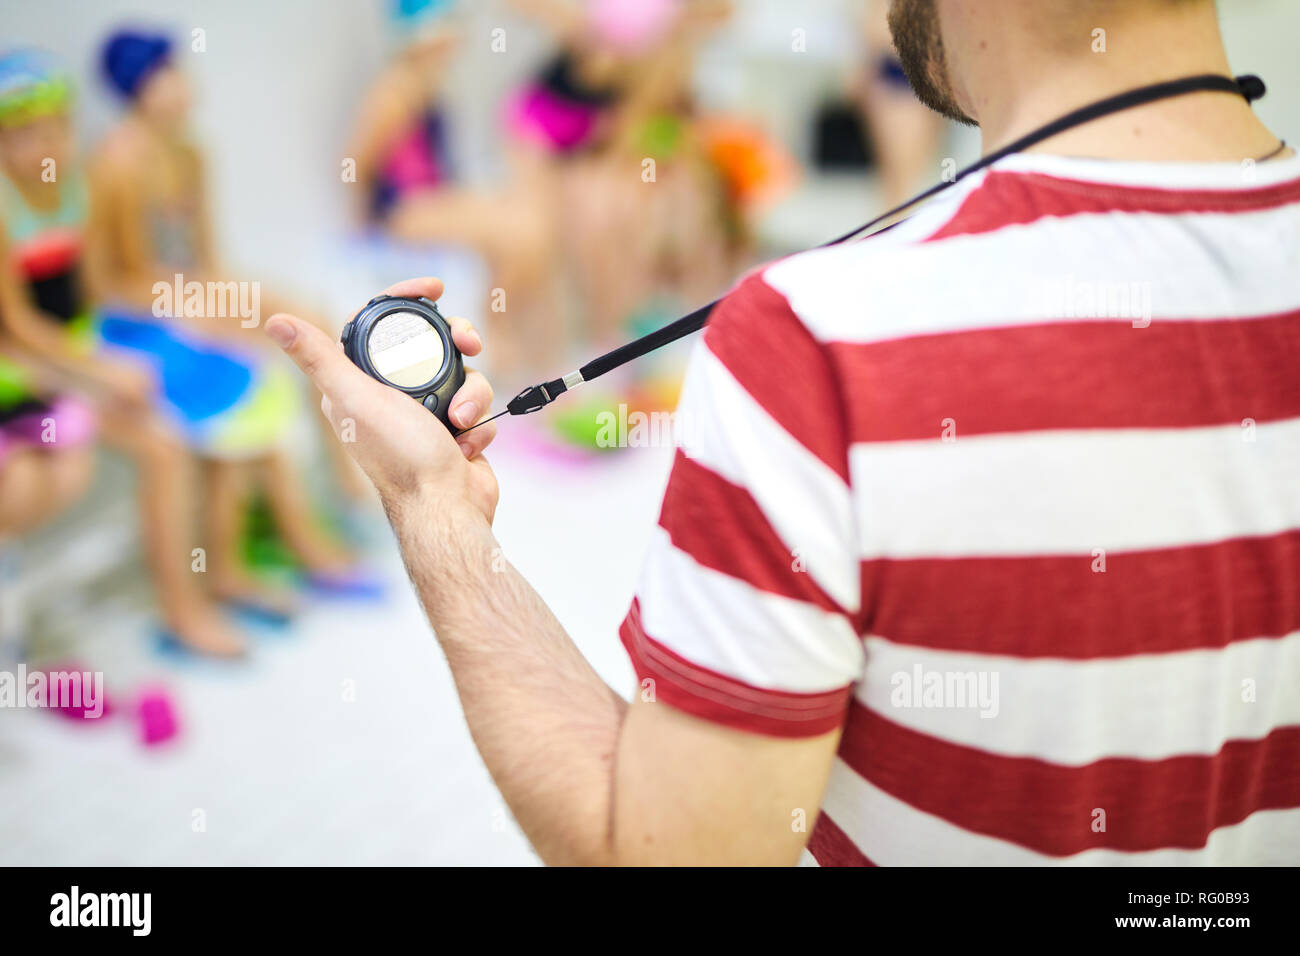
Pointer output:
32, 84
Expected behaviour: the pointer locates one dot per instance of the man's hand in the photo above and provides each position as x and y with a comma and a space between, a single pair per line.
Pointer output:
404, 450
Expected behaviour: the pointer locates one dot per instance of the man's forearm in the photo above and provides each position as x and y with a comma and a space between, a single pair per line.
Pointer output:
546, 724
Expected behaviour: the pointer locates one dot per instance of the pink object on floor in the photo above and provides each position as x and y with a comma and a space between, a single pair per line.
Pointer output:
536, 439
157, 713
85, 710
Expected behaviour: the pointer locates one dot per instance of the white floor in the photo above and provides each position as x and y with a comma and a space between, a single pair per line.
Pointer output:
275, 766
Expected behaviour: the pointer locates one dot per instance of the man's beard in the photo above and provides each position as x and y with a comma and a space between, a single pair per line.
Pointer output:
914, 25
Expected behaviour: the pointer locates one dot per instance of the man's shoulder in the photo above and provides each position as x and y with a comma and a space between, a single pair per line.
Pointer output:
879, 287
1041, 239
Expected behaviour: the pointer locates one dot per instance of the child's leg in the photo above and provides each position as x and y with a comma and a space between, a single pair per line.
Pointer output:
351, 480
613, 252
526, 265
296, 522
36, 485
68, 475
26, 496
514, 232
695, 234
166, 479
228, 484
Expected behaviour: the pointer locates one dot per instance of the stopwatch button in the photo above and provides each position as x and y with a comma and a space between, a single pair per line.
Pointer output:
431, 403
347, 332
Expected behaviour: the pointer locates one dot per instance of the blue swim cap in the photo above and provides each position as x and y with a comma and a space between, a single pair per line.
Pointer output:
415, 15
130, 58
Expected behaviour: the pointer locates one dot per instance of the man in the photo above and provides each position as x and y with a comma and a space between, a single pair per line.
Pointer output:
1051, 605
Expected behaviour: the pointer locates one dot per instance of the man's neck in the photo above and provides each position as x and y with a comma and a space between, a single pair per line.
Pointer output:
1014, 82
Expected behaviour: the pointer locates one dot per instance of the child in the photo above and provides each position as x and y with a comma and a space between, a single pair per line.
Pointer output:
618, 95
153, 218
163, 398
412, 192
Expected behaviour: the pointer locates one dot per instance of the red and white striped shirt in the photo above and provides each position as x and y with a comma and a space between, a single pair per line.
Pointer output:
1011, 494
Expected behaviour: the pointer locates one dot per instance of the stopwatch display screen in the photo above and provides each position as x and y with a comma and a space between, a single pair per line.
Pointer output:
405, 349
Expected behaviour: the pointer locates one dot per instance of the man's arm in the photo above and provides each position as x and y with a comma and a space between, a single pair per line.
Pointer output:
547, 726
590, 779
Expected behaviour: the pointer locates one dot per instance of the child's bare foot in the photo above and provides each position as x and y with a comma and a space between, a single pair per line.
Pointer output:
245, 590
329, 562
319, 551
203, 630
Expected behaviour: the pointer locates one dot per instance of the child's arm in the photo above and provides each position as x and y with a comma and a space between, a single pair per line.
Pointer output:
384, 112
564, 18
31, 331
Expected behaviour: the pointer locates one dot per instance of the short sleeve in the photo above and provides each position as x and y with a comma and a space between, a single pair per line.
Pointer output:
746, 604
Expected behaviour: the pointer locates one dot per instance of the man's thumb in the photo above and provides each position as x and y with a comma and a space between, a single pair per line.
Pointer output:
280, 329
312, 351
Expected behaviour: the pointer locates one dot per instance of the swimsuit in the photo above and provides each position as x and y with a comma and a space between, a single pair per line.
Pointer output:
225, 401
559, 110
419, 160
27, 421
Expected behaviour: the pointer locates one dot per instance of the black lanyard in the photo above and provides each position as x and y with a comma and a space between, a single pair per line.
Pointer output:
536, 397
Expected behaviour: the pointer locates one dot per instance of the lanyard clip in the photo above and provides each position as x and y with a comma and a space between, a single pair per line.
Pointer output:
536, 397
